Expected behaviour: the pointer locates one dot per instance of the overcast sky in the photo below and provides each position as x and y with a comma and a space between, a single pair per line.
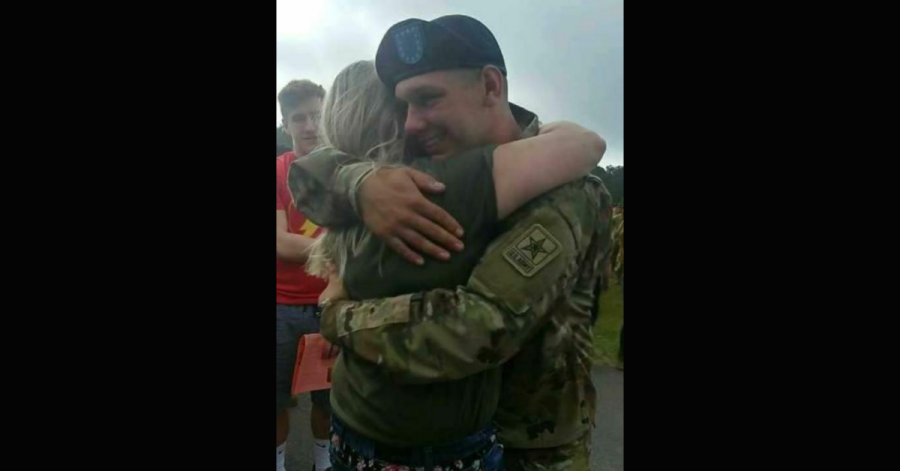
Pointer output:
564, 57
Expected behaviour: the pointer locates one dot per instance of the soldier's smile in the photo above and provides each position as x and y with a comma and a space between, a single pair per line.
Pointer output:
430, 144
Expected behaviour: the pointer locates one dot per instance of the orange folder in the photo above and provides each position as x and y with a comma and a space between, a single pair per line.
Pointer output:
312, 370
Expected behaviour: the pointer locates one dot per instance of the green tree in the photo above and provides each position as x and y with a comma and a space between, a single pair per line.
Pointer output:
614, 179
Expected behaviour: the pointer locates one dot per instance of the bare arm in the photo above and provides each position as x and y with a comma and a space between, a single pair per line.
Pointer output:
289, 247
526, 168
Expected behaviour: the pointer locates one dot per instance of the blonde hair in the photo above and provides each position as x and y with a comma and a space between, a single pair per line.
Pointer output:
361, 118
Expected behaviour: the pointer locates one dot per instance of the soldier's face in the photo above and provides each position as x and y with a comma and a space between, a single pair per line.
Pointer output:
445, 112
302, 123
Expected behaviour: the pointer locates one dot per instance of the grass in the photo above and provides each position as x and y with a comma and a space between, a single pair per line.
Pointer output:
606, 330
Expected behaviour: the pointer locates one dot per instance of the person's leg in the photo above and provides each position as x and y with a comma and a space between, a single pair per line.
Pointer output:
294, 323
320, 422
282, 426
289, 322
320, 419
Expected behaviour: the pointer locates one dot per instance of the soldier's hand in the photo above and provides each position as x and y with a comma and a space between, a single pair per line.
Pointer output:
395, 210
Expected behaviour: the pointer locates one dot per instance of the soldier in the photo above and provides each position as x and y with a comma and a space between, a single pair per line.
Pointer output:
528, 302
379, 424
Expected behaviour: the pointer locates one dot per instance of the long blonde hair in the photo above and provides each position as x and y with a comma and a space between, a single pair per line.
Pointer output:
361, 118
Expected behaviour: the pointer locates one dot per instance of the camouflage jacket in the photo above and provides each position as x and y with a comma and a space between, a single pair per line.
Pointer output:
527, 305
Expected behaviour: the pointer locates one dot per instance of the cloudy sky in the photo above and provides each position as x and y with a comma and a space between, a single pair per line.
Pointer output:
564, 57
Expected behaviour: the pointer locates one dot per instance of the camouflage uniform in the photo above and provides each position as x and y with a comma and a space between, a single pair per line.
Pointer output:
528, 305
617, 258
321, 184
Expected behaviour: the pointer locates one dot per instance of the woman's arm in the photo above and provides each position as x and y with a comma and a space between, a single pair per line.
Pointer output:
560, 153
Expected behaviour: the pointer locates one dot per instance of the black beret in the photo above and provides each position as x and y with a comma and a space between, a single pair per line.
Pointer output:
414, 47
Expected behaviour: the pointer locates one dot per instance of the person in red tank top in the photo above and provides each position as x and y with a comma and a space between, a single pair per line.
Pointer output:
296, 292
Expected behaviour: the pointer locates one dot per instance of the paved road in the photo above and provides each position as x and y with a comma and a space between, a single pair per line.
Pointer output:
608, 438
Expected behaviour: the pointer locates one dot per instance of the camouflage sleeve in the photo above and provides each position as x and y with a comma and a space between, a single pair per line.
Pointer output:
322, 185
442, 334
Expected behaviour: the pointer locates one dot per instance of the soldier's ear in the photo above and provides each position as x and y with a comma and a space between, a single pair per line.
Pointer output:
494, 85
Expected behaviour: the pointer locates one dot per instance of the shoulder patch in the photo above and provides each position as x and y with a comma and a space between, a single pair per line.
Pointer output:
532, 250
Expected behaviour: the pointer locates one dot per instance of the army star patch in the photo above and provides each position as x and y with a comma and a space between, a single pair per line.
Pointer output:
532, 250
